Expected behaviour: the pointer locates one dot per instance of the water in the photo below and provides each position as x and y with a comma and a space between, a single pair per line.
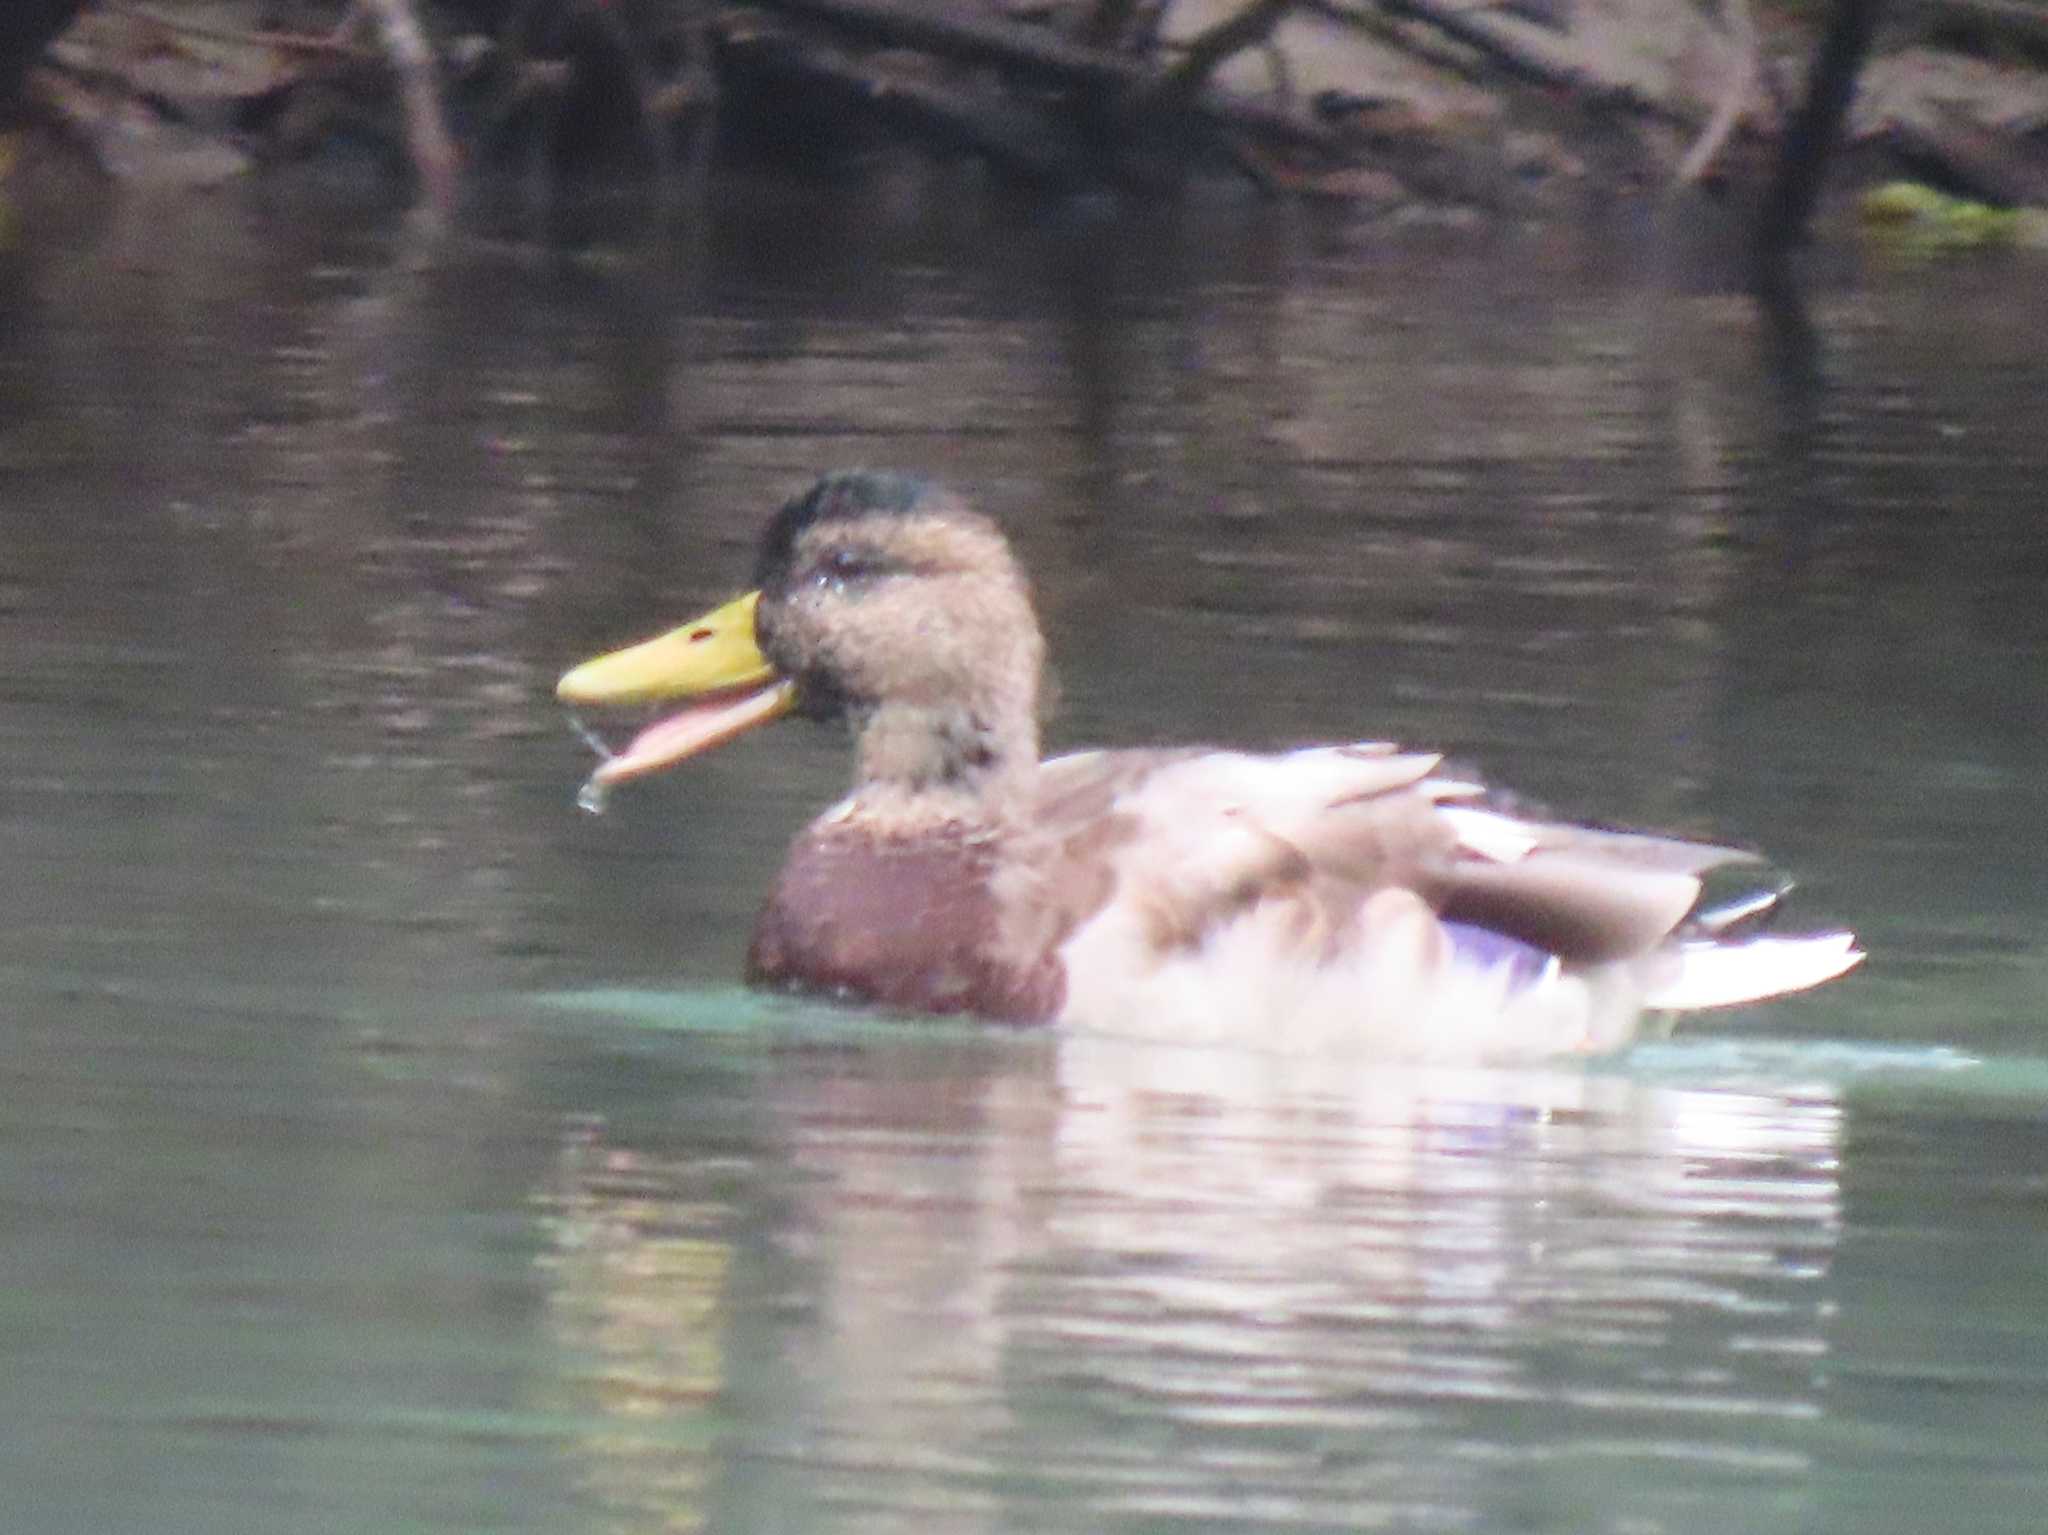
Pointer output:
385, 1146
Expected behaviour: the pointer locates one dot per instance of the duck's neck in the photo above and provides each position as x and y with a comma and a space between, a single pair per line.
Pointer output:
922, 765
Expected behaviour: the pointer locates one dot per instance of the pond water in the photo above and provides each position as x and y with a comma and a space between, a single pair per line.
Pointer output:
384, 1145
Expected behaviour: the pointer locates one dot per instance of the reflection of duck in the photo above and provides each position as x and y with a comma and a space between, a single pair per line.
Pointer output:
1335, 894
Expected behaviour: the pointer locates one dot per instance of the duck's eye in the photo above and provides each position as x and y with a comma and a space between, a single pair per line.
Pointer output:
844, 566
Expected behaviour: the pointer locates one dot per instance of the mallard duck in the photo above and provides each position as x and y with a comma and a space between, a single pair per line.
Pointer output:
1359, 893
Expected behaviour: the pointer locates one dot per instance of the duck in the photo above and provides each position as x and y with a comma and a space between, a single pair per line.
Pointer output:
1355, 896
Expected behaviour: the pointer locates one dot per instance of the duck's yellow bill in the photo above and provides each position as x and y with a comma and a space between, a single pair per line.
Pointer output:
715, 659
713, 654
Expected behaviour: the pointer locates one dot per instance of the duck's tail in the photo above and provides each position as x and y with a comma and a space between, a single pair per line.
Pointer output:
1724, 972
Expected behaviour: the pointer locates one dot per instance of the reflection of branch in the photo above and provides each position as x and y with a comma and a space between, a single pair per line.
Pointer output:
1734, 97
426, 129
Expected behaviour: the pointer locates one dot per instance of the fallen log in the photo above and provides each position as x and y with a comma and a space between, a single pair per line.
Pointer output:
1951, 150
1017, 138
26, 28
1037, 57
1522, 53
336, 43
1185, 81
1027, 52
2009, 21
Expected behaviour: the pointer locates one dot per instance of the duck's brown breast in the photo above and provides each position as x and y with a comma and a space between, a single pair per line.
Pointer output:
910, 923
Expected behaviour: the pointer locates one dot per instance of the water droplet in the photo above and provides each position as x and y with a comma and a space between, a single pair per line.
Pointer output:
589, 737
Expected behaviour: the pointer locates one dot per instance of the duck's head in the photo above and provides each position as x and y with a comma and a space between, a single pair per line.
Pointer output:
879, 599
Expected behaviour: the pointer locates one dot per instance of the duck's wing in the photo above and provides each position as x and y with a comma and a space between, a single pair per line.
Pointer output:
1582, 893
1369, 894
1194, 838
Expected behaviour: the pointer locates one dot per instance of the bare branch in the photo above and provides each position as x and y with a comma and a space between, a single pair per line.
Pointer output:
284, 42
1802, 158
1523, 56
1745, 67
1207, 51
1035, 54
426, 128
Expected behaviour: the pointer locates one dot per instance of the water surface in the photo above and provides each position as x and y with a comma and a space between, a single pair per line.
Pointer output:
384, 1144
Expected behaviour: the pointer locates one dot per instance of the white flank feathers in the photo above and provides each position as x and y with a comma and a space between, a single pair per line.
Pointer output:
1749, 970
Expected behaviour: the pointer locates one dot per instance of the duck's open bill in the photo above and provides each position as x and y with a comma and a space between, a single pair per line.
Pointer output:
715, 658
675, 736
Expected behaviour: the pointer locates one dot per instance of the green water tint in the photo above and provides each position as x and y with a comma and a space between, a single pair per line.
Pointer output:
1868, 1069
744, 1012
1863, 1071
712, 1010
